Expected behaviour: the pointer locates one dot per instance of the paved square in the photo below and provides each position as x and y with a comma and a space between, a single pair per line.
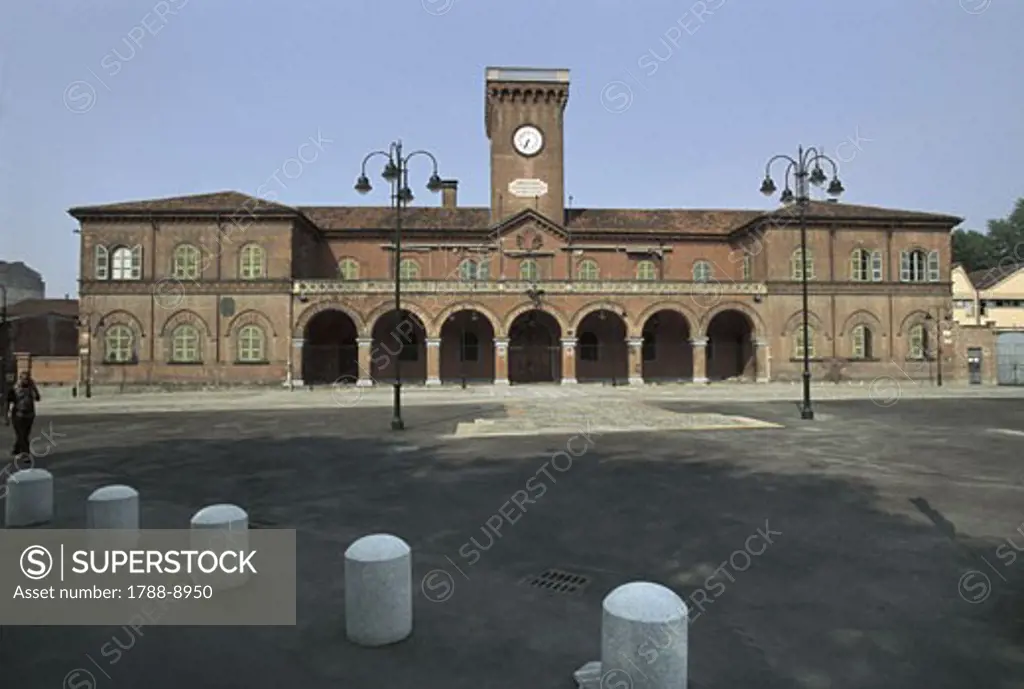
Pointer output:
872, 547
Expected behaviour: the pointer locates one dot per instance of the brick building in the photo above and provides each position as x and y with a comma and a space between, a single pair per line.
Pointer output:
223, 288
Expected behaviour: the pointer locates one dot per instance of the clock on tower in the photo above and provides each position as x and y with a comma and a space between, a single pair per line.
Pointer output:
524, 112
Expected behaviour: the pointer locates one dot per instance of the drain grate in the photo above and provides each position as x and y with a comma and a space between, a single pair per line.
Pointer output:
558, 581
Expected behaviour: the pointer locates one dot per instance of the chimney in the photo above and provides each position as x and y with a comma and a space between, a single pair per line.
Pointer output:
449, 193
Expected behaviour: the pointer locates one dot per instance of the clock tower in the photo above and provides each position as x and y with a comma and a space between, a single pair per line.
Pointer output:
523, 116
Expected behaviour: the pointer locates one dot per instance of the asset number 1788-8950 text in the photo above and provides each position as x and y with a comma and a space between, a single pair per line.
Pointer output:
176, 592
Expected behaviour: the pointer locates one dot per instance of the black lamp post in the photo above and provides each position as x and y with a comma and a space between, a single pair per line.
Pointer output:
4, 344
940, 332
396, 172
804, 169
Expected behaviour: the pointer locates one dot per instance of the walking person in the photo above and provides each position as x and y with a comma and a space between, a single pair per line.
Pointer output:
20, 411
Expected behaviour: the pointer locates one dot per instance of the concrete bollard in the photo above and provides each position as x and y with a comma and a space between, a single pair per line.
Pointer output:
644, 637
29, 498
220, 528
113, 507
378, 590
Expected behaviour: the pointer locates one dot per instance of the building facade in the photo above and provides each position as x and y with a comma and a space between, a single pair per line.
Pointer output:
227, 289
993, 299
20, 282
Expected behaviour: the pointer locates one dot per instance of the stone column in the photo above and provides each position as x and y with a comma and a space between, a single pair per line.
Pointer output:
636, 360
365, 376
501, 361
569, 361
762, 373
433, 361
295, 375
700, 359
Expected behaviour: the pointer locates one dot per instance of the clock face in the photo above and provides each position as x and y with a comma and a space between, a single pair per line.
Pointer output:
528, 140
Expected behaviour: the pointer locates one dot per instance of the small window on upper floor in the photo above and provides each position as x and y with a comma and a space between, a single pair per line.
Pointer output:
185, 264
474, 269
588, 270
701, 271
528, 270
409, 269
866, 265
348, 269
252, 262
646, 270
916, 265
798, 266
748, 267
126, 263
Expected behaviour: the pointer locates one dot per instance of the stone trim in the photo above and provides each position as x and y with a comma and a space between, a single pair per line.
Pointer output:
699, 342
622, 287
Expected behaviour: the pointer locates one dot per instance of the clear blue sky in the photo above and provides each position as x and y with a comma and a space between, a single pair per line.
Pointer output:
220, 94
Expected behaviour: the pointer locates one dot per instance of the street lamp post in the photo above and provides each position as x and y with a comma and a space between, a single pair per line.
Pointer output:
4, 343
396, 173
804, 169
940, 332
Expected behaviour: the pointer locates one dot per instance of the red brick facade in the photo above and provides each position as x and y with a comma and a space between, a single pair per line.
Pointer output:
227, 289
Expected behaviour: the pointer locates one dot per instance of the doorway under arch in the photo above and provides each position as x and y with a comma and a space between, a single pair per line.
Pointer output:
667, 353
399, 345
730, 348
601, 349
535, 348
467, 348
330, 353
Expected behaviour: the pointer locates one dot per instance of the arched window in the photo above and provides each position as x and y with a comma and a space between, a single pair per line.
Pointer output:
917, 345
185, 345
252, 262
470, 269
251, 344
470, 347
917, 265
797, 266
409, 269
646, 270
528, 270
862, 345
701, 271
126, 263
798, 342
186, 262
588, 346
348, 269
119, 345
748, 267
588, 270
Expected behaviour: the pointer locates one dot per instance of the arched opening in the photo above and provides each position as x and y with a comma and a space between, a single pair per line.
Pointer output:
667, 353
329, 351
399, 346
467, 348
601, 351
535, 350
730, 350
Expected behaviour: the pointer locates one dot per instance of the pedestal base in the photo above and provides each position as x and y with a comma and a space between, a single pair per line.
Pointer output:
364, 383
701, 380
636, 381
503, 381
569, 381
433, 381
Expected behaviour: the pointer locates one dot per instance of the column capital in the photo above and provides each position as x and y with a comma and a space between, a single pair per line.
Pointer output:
759, 341
568, 342
699, 341
635, 341
297, 342
433, 341
364, 341
501, 342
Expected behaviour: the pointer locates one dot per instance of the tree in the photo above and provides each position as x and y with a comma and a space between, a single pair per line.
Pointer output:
973, 250
1003, 244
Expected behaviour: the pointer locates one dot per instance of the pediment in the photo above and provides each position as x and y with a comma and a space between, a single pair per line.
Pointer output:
530, 231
